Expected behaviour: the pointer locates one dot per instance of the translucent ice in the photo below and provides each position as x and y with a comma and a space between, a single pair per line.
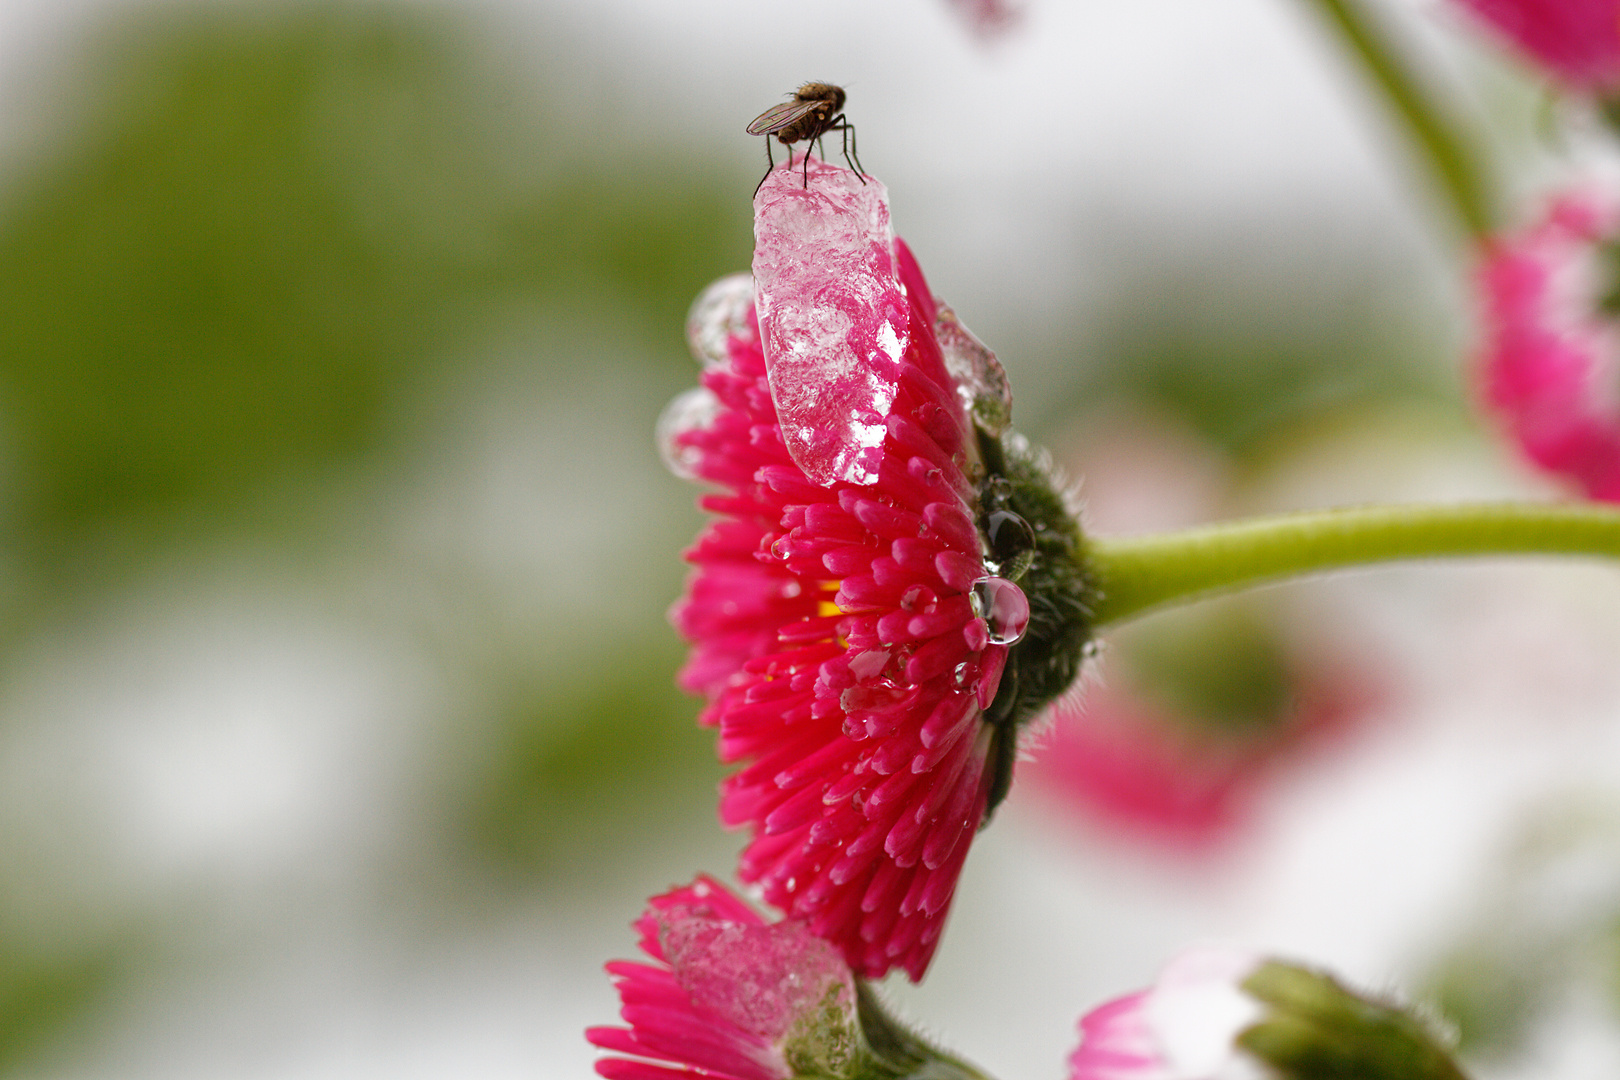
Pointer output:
833, 316
980, 380
718, 315
765, 979
691, 410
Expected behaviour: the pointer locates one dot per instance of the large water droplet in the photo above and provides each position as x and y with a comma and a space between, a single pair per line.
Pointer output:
980, 381
719, 313
1003, 607
691, 410
1008, 536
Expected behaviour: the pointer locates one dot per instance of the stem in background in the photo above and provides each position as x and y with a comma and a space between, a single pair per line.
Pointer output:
1135, 574
1451, 155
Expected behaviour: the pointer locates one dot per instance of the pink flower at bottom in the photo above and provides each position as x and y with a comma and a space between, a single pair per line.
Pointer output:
1579, 40
728, 997
1225, 1014
1550, 352
1182, 1028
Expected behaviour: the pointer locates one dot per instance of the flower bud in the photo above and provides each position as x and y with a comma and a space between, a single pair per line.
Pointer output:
1226, 1015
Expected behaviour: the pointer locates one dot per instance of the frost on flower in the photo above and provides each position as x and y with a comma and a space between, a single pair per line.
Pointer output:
1578, 40
888, 590
1552, 342
728, 994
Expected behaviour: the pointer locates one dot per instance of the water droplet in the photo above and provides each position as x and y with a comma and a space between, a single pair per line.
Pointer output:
920, 599
692, 410
980, 381
868, 696
782, 547
964, 672
1004, 608
1008, 536
718, 314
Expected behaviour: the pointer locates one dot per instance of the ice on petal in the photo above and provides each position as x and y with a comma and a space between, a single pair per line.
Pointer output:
719, 314
980, 381
833, 316
691, 410
765, 979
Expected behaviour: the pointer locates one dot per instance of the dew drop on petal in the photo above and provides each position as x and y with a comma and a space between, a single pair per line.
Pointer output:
718, 314
920, 599
1008, 536
1004, 608
691, 410
980, 381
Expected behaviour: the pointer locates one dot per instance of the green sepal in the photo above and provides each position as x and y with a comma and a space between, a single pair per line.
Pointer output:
1059, 584
1315, 1029
882, 1049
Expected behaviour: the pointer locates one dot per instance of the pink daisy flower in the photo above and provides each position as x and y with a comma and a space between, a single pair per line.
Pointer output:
1226, 1014
1184, 1027
1579, 40
891, 585
730, 996
1551, 346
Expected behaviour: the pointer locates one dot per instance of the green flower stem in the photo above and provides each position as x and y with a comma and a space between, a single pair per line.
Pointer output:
1451, 154
1135, 574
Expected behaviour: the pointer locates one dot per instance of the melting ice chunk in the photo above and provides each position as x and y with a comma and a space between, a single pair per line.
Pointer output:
833, 317
719, 314
981, 382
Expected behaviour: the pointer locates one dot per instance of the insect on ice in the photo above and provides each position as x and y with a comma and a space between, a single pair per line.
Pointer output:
815, 109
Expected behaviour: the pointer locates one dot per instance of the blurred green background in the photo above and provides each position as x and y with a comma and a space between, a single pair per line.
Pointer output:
337, 731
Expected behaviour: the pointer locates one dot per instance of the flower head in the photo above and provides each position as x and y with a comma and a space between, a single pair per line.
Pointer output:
1225, 1014
1552, 342
730, 996
1578, 40
891, 586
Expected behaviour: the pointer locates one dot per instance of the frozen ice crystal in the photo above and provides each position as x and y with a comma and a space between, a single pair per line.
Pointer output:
763, 978
833, 316
981, 382
718, 315
691, 410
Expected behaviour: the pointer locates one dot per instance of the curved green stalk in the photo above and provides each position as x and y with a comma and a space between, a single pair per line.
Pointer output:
1451, 155
1134, 574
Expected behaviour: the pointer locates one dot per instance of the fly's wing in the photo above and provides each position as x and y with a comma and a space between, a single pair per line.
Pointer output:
780, 116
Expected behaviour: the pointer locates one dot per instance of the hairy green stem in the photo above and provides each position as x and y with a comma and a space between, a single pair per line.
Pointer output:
1134, 574
1451, 155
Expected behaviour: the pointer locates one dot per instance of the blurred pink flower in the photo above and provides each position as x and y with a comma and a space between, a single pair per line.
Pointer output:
844, 624
1182, 1028
1579, 40
989, 17
1550, 350
1124, 762
728, 997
